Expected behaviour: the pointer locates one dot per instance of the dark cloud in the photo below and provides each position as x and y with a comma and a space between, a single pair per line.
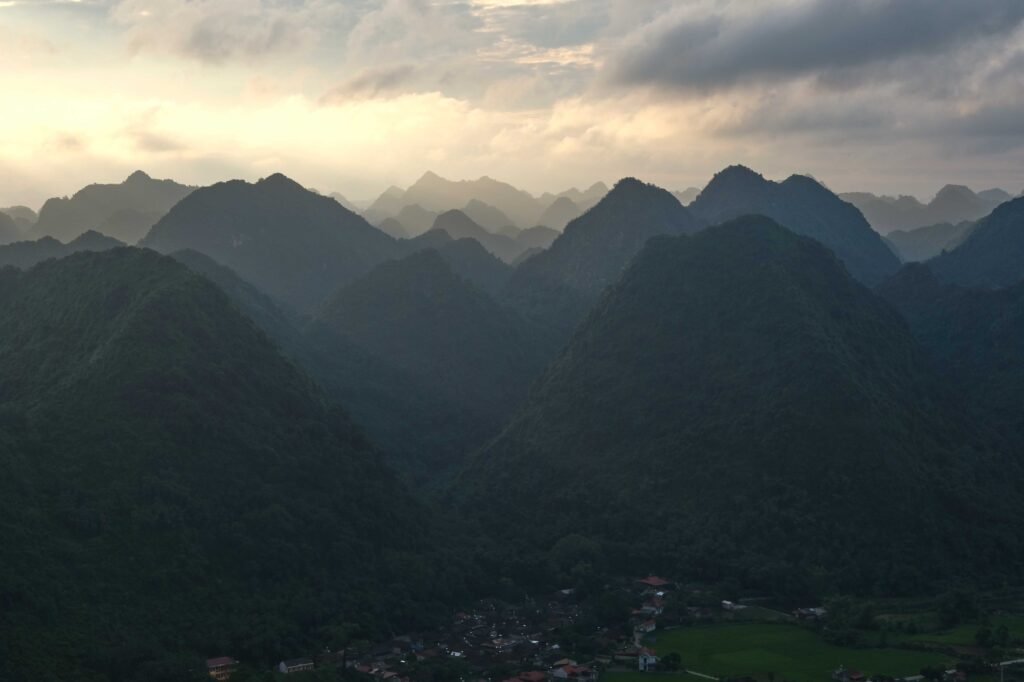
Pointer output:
701, 49
372, 83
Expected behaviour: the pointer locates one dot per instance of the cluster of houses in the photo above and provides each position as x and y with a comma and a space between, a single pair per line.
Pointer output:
495, 636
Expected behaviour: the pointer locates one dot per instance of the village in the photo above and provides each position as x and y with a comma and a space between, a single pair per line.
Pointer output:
561, 637
497, 641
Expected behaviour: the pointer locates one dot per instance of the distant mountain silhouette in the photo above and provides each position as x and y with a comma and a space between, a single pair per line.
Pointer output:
293, 244
156, 444
24, 217
923, 243
487, 217
584, 200
557, 286
992, 255
416, 219
975, 338
387, 205
459, 226
687, 196
736, 404
125, 211
491, 203
539, 237
394, 228
28, 253
559, 213
953, 204
805, 207
341, 199
438, 194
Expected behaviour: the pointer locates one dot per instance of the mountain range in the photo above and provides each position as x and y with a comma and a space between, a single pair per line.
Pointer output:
491, 203
25, 254
157, 445
23, 216
556, 287
923, 243
292, 243
739, 405
952, 204
125, 211
992, 255
804, 206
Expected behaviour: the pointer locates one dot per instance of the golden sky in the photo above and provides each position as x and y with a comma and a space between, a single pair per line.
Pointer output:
355, 95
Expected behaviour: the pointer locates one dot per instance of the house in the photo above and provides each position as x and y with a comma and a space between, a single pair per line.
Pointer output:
646, 627
295, 665
575, 673
655, 582
816, 613
532, 676
647, 661
222, 667
844, 675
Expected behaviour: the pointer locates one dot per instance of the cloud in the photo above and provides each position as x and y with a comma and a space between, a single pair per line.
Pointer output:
218, 31
372, 83
712, 45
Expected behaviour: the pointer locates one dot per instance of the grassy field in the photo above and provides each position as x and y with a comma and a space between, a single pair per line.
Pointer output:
785, 651
963, 635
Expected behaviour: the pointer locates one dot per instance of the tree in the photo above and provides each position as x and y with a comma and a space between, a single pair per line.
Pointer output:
671, 662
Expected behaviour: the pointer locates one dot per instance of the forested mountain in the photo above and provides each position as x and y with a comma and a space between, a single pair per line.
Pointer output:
993, 253
805, 207
952, 204
923, 243
26, 254
418, 317
975, 338
738, 405
124, 212
557, 286
9, 231
460, 226
294, 244
468, 259
174, 488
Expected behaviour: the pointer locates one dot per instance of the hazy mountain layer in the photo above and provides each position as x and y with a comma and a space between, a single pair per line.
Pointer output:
804, 206
953, 204
124, 212
557, 286
992, 255
294, 244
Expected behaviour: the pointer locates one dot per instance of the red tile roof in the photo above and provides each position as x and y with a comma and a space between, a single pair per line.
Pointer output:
654, 581
220, 661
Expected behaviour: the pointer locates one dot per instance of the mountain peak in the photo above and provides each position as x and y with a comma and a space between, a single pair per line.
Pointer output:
736, 175
280, 181
137, 176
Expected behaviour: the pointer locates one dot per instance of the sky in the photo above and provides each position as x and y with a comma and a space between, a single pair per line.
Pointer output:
893, 96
